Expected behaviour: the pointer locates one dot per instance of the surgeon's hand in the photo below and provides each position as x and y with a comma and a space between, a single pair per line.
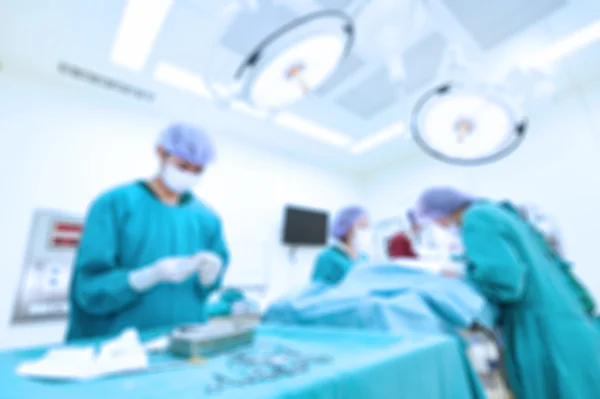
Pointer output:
168, 270
209, 267
175, 270
451, 274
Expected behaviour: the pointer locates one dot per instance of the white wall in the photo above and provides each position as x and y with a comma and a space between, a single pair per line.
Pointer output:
557, 167
62, 145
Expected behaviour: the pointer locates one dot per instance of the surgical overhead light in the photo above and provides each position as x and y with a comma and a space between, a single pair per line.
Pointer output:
296, 71
291, 61
466, 127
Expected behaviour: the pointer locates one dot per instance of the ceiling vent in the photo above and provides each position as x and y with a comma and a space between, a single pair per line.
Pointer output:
98, 80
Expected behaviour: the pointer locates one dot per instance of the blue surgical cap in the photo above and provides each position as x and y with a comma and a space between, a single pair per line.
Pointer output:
439, 202
344, 220
188, 142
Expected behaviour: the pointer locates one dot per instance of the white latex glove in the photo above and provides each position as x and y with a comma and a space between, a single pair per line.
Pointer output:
208, 266
169, 270
175, 270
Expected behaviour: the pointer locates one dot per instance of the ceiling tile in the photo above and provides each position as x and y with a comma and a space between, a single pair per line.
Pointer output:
370, 96
492, 22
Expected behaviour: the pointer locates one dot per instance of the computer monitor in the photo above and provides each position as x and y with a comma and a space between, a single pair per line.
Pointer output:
304, 227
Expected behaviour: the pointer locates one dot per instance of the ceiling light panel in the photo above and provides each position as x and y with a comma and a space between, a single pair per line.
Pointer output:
378, 138
141, 22
181, 79
565, 47
311, 129
247, 109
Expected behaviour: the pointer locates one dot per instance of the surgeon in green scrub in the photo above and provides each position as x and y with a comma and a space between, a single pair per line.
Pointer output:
350, 234
552, 349
151, 252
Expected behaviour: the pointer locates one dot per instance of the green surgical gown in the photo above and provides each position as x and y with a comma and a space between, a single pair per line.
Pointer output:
585, 298
129, 228
552, 350
332, 265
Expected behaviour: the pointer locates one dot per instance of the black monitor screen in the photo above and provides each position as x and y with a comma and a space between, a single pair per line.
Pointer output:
305, 226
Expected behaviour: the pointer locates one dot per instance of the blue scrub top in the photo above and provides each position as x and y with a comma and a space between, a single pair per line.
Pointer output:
129, 228
332, 265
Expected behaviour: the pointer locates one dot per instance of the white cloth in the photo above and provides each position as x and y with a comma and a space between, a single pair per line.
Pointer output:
245, 308
240, 308
160, 344
436, 266
61, 364
433, 266
122, 354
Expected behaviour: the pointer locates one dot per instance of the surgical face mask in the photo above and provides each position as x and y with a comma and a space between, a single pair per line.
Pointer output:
178, 180
363, 241
416, 235
454, 230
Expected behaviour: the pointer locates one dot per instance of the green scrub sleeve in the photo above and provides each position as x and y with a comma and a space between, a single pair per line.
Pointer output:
494, 266
328, 269
100, 286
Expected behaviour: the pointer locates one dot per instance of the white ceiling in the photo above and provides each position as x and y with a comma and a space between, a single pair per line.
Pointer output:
359, 100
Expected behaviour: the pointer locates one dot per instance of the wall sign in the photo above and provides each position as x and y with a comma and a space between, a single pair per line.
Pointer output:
43, 291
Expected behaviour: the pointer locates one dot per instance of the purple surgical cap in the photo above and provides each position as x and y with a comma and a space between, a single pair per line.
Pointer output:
345, 219
188, 142
439, 202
